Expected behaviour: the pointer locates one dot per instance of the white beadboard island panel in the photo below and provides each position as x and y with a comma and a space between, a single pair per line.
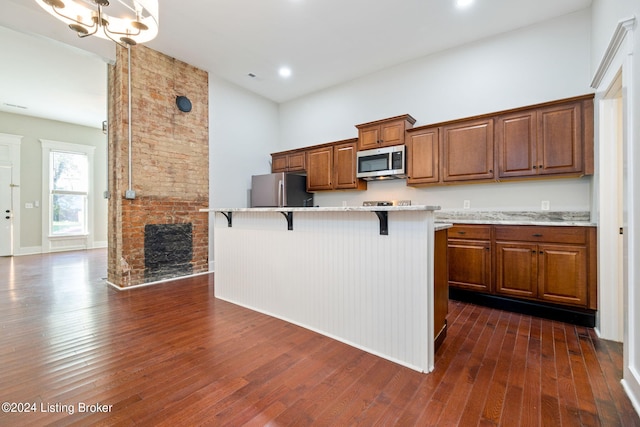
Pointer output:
334, 273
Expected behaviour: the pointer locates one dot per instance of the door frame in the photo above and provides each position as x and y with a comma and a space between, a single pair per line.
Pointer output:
617, 63
10, 156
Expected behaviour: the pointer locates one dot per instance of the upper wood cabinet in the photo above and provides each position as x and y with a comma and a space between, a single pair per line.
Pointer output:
344, 166
384, 133
289, 161
467, 151
550, 139
423, 156
542, 141
320, 169
333, 167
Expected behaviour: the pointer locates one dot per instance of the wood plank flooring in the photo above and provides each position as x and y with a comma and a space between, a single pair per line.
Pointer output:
173, 355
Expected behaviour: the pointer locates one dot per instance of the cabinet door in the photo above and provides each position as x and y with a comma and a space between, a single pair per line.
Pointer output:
562, 274
292, 162
516, 144
296, 161
344, 158
369, 138
279, 163
386, 134
468, 151
320, 169
560, 145
423, 161
392, 133
470, 264
517, 269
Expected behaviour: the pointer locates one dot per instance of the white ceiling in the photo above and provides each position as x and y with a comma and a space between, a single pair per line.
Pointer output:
324, 42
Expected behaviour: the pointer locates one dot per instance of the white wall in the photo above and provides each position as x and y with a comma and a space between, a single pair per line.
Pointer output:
33, 130
536, 64
243, 131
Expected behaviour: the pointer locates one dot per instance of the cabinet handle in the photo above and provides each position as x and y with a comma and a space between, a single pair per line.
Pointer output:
462, 232
533, 251
490, 170
541, 252
535, 167
539, 166
537, 235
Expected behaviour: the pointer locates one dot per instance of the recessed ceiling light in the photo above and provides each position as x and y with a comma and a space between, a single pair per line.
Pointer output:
284, 72
461, 4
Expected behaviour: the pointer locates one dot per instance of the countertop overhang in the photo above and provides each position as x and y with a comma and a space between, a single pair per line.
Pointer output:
382, 212
330, 209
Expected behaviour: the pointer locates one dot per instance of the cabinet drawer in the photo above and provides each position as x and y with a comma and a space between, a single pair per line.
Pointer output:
535, 233
469, 231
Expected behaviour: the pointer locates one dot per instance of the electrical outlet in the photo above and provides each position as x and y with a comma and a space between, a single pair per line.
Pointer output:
130, 194
466, 204
545, 205
28, 205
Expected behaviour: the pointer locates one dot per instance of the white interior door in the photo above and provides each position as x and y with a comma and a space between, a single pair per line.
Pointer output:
6, 210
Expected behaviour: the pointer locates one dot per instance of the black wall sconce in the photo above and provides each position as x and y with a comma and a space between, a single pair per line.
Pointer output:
183, 103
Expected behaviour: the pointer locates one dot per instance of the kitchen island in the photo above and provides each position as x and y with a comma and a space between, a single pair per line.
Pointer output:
361, 275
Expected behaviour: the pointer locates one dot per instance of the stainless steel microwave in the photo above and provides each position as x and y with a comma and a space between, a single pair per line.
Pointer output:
381, 163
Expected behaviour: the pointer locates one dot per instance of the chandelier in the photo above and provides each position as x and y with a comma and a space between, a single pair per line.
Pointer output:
128, 23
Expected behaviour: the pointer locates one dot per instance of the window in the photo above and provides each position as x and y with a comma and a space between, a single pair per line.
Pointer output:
69, 191
67, 196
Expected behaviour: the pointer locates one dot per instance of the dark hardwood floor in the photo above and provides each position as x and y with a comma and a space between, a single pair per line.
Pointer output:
173, 355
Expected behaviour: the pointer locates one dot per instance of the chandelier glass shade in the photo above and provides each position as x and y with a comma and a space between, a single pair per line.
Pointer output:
128, 22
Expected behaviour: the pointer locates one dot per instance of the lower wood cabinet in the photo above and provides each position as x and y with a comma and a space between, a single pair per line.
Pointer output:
440, 288
469, 248
550, 264
546, 263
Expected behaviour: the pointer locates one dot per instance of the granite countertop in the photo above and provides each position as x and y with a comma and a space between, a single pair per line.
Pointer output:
563, 218
441, 226
330, 209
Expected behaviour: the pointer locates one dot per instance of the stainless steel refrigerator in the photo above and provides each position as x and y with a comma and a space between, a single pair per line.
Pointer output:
280, 190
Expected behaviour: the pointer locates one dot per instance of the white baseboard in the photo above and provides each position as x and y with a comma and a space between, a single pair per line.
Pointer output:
631, 385
38, 250
29, 250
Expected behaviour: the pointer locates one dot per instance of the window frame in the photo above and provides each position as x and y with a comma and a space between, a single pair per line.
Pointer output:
76, 240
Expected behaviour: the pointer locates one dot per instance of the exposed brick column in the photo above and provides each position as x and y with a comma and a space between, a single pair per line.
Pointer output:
170, 158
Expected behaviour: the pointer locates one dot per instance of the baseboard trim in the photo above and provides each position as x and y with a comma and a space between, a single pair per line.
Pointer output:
575, 316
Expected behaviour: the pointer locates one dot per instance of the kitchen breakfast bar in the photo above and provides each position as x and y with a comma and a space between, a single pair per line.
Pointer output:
374, 277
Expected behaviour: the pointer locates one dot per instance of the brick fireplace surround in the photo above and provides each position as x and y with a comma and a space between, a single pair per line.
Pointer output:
170, 160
